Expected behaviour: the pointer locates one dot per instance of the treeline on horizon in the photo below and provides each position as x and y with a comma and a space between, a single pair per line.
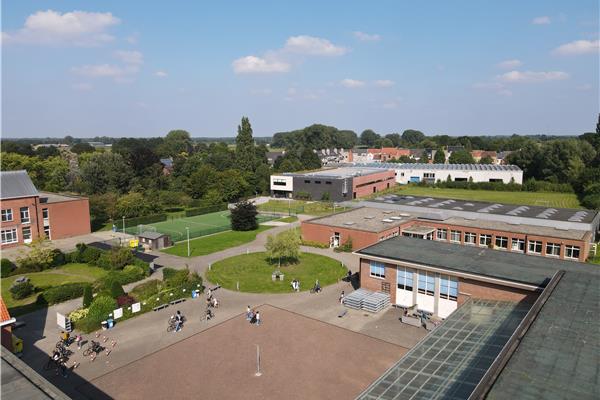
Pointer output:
206, 172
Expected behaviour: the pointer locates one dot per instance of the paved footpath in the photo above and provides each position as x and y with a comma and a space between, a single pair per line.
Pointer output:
146, 334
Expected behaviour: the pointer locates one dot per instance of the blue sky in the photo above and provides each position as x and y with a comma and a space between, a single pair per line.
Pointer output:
142, 68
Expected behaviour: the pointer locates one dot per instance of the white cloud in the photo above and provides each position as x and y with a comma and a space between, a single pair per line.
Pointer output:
78, 28
99, 71
292, 91
532, 76
352, 83
584, 87
132, 39
578, 47
543, 20
133, 57
384, 83
509, 64
366, 37
314, 46
254, 65
261, 92
161, 74
392, 105
504, 92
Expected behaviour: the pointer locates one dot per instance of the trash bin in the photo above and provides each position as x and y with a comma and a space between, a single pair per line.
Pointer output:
195, 293
110, 322
104, 325
17, 345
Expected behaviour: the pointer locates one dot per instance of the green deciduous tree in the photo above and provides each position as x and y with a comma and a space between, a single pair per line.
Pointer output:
87, 296
83, 147
461, 157
285, 247
369, 138
486, 160
243, 216
244, 147
439, 157
105, 172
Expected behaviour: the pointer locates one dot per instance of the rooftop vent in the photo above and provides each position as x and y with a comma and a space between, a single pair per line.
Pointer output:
387, 211
387, 220
396, 218
369, 217
404, 215
349, 223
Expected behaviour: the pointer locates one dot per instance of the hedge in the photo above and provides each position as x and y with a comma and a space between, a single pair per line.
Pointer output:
146, 289
21, 290
58, 294
129, 274
6, 267
146, 219
205, 210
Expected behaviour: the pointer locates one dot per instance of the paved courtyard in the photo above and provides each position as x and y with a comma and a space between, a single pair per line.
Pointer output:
301, 358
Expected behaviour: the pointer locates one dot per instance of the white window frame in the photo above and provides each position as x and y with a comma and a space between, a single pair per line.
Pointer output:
375, 264
470, 238
445, 283
12, 232
25, 238
454, 234
24, 210
441, 234
569, 249
552, 246
427, 281
517, 241
47, 217
501, 239
48, 234
535, 244
401, 283
485, 237
6, 213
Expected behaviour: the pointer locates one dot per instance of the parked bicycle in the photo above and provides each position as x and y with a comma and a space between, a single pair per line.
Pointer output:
93, 347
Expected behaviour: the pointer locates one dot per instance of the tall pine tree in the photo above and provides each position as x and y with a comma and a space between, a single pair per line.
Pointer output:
244, 150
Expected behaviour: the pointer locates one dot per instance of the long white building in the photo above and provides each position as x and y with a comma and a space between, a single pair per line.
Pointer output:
415, 173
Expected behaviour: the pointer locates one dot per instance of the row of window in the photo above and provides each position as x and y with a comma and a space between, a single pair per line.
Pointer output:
10, 235
7, 214
318, 182
516, 244
425, 283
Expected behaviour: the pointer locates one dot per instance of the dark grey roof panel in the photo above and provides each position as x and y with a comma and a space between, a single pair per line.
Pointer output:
151, 235
442, 167
14, 184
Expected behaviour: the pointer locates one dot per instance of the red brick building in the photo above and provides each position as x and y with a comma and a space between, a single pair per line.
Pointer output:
28, 214
367, 226
6, 326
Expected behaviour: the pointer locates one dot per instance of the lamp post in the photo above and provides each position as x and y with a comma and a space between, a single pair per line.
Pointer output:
123, 224
188, 240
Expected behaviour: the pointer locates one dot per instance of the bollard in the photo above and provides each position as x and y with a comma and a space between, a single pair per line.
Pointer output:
238, 286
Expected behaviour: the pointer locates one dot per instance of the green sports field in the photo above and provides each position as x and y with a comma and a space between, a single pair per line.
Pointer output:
199, 225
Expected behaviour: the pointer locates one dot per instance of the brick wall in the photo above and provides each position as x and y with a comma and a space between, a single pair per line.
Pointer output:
366, 185
323, 233
482, 290
375, 284
15, 205
68, 218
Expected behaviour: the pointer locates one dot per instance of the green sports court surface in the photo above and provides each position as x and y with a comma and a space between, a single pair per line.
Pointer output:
199, 225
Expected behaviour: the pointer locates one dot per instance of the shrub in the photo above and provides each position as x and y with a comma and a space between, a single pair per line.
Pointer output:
146, 289
116, 289
6, 267
243, 216
147, 219
205, 210
311, 243
125, 300
58, 294
21, 290
79, 314
129, 274
100, 308
175, 278
346, 247
88, 297
91, 255
58, 258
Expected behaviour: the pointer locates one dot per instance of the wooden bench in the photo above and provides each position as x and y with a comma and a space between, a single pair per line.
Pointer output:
157, 308
177, 301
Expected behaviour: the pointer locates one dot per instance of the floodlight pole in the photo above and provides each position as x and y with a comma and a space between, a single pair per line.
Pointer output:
123, 224
188, 240
258, 373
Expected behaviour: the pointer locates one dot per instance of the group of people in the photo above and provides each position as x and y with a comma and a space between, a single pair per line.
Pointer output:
60, 354
296, 285
253, 316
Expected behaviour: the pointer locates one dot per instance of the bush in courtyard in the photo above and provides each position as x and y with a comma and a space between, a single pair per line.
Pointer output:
39, 257
88, 297
58, 258
116, 258
243, 216
21, 290
175, 278
6, 267
125, 300
146, 289
79, 314
58, 294
284, 247
100, 308
346, 247
116, 289
129, 274
312, 243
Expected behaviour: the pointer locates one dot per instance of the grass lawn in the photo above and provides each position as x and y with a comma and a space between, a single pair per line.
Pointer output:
213, 243
253, 272
289, 219
316, 208
550, 199
68, 273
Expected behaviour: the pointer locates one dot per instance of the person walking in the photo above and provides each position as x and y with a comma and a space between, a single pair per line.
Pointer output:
342, 297
257, 316
248, 313
78, 340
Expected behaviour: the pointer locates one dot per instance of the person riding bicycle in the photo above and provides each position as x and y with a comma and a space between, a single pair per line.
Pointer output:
209, 313
178, 321
64, 336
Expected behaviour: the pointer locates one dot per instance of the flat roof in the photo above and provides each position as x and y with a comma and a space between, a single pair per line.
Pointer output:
498, 264
343, 172
443, 167
483, 208
57, 198
557, 357
364, 219
449, 362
